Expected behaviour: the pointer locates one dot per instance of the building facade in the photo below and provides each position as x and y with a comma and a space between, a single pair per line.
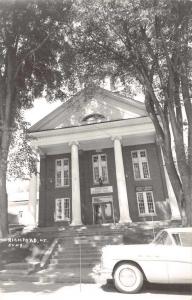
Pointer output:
100, 163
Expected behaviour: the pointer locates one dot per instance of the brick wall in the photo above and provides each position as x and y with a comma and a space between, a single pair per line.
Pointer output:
156, 181
48, 192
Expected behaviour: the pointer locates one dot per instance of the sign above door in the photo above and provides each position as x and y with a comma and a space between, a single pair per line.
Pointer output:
101, 189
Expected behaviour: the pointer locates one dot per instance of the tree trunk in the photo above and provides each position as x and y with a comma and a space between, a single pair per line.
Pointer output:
187, 205
188, 208
8, 106
3, 198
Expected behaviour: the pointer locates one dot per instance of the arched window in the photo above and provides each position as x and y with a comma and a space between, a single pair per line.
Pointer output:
93, 118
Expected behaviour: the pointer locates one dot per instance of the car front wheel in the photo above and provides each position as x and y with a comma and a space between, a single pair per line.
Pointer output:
128, 278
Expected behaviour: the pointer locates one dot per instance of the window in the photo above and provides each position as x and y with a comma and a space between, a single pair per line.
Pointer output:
140, 164
145, 203
62, 172
162, 238
100, 172
93, 118
183, 239
62, 209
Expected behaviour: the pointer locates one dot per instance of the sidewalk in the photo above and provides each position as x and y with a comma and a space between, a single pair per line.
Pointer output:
29, 291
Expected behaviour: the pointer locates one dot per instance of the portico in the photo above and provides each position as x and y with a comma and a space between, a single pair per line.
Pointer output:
88, 167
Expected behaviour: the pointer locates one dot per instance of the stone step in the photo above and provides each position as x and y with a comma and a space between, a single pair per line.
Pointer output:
17, 266
80, 231
83, 245
88, 255
77, 259
94, 237
75, 275
13, 271
78, 250
73, 264
19, 277
90, 244
102, 229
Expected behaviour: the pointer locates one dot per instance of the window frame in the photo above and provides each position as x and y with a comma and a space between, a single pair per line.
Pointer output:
100, 168
63, 185
145, 202
64, 218
139, 161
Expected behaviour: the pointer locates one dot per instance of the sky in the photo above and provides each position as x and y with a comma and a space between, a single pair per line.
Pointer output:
40, 109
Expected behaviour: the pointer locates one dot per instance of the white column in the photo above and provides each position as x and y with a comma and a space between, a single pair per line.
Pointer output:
33, 190
121, 183
76, 199
32, 199
172, 199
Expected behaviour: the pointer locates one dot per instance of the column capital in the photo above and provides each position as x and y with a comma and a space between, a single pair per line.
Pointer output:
119, 138
40, 151
43, 155
73, 143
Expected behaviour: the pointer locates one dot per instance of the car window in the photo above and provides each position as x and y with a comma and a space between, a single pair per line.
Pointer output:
183, 239
163, 239
176, 239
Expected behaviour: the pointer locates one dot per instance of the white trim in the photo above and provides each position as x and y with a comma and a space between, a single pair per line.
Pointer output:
63, 217
93, 127
145, 203
125, 128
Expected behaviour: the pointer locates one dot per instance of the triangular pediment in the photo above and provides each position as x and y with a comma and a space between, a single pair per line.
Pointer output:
87, 107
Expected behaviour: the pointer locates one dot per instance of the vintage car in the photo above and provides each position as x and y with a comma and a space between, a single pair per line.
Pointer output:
167, 259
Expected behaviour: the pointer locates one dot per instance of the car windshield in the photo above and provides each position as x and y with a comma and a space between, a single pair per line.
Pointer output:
183, 239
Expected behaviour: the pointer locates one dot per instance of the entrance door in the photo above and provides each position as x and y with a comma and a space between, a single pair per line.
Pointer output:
102, 211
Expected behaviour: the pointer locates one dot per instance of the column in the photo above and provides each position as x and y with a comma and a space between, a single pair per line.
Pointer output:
42, 203
172, 199
33, 189
76, 199
121, 182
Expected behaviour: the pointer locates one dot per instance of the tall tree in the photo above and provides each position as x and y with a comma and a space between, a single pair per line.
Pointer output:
149, 40
35, 58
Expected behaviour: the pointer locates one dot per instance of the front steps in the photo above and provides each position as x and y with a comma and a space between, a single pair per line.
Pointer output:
77, 259
78, 252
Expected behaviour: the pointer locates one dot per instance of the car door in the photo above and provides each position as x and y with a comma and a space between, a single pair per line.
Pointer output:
179, 265
154, 263
158, 258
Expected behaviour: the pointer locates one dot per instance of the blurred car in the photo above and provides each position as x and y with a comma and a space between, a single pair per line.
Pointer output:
167, 259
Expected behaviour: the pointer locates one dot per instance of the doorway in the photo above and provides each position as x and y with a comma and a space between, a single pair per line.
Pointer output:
103, 211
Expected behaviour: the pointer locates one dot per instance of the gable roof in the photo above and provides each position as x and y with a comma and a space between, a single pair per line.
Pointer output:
91, 106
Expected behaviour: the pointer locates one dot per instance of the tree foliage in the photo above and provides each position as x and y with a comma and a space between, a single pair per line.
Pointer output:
150, 41
22, 159
36, 58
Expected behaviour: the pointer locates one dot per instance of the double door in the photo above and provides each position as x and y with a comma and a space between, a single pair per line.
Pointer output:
103, 211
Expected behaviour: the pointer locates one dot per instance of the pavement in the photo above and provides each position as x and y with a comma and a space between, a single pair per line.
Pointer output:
27, 290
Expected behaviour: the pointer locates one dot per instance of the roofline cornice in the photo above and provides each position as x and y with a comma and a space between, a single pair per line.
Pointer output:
92, 127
